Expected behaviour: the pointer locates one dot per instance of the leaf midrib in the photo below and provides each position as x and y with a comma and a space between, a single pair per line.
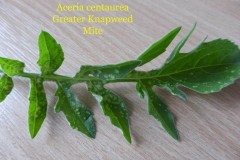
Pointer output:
134, 77
170, 74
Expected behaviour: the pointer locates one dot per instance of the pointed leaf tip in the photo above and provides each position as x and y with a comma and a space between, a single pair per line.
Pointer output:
159, 110
158, 47
181, 44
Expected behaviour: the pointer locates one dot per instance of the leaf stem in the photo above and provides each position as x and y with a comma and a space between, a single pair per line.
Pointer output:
73, 80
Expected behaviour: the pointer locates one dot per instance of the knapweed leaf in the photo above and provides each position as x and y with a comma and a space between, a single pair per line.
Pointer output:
207, 68
159, 110
158, 47
38, 106
11, 67
109, 72
6, 85
51, 54
211, 67
112, 106
77, 114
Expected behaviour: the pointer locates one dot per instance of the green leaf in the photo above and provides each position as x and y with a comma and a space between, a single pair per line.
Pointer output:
112, 105
6, 86
77, 114
171, 88
51, 53
159, 110
38, 106
108, 72
209, 68
181, 44
11, 67
158, 47
139, 90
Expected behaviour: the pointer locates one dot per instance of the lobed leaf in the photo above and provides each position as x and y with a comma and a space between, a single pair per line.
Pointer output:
211, 67
158, 47
38, 106
77, 114
112, 105
51, 54
11, 67
6, 86
206, 69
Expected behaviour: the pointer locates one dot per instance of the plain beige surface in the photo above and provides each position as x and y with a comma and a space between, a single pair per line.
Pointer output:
209, 125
